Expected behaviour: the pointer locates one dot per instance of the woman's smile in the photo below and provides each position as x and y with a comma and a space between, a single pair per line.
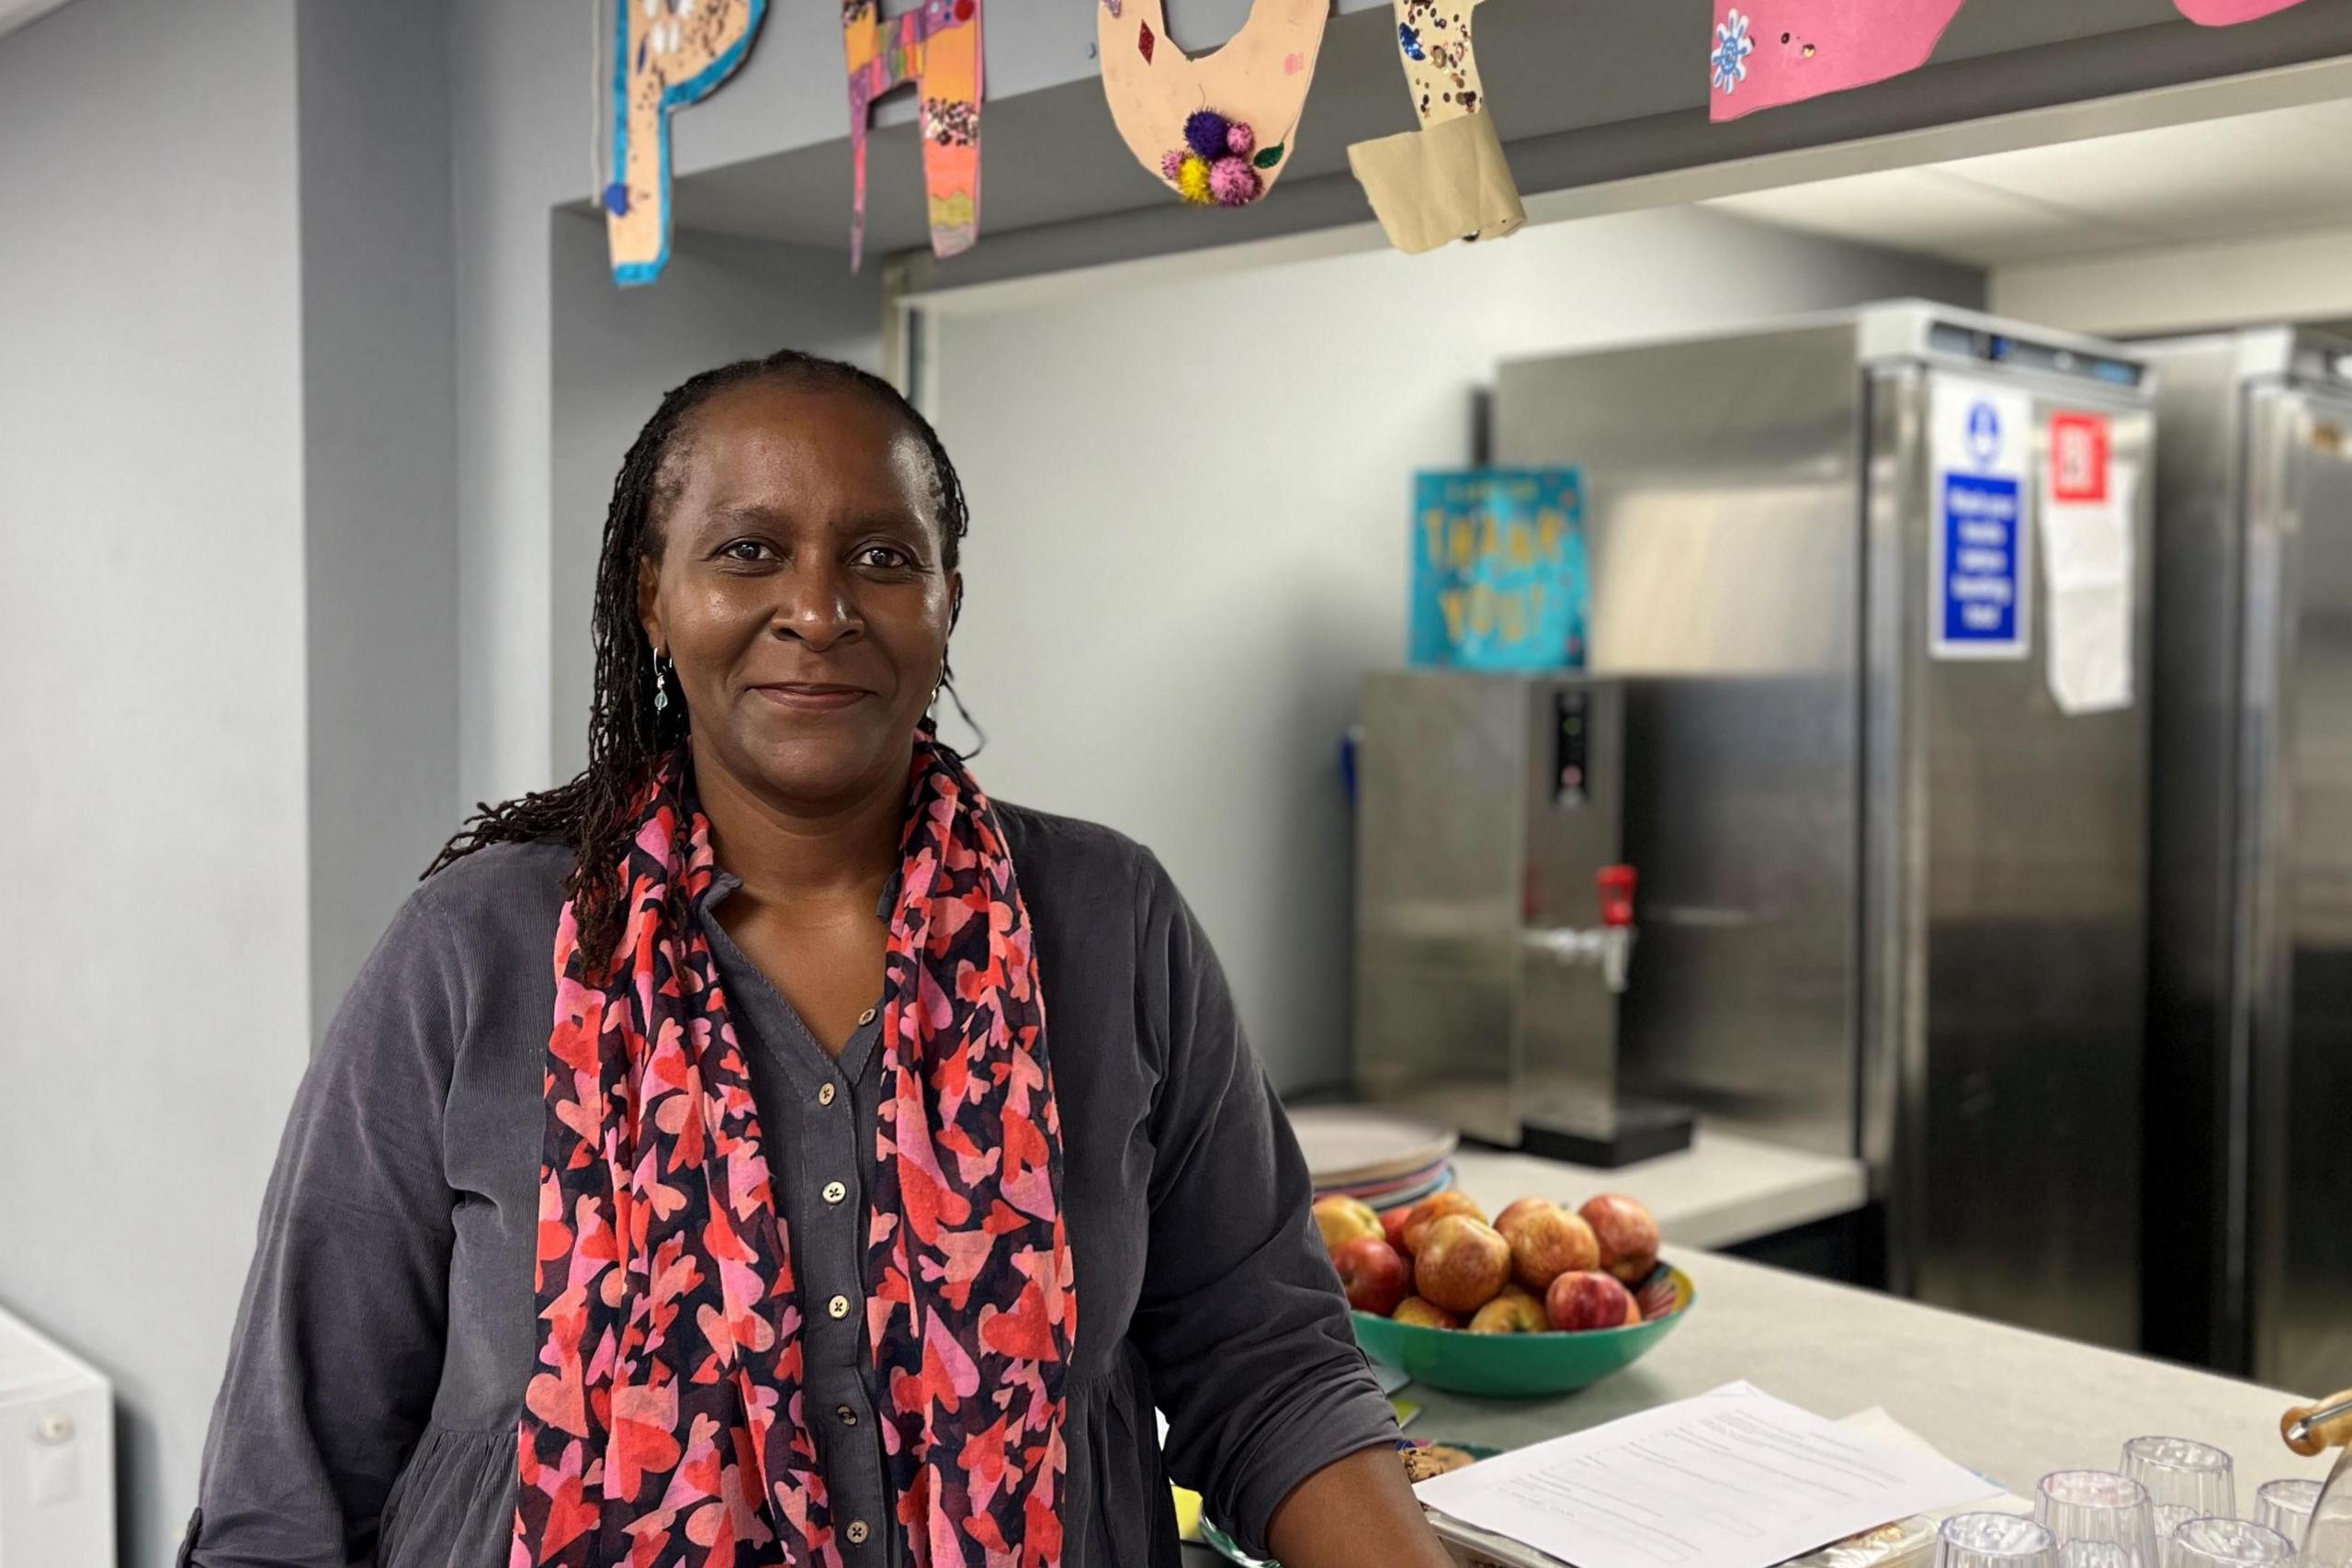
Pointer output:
812, 696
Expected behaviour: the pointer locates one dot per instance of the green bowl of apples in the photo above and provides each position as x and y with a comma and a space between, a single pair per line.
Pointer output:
1528, 1365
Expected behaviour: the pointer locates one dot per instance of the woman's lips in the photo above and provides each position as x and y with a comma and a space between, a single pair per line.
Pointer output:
812, 696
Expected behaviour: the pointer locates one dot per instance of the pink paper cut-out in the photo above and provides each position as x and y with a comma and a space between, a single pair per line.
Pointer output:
1772, 53
2229, 13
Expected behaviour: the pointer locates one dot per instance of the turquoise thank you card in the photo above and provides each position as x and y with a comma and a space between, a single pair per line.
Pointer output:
1500, 575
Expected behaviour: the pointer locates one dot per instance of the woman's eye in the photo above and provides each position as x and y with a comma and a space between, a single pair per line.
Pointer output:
748, 550
888, 557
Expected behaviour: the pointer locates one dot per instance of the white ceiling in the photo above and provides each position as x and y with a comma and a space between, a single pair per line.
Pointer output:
2271, 172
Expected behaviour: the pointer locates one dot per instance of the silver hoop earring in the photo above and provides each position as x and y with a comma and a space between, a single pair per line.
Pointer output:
660, 682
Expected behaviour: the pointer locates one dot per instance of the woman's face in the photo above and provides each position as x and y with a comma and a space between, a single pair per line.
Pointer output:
798, 585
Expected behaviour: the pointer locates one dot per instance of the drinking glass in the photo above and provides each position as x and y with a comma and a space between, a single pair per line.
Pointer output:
1994, 1540
2092, 1554
2170, 1517
2286, 1506
2185, 1473
2225, 1543
2098, 1507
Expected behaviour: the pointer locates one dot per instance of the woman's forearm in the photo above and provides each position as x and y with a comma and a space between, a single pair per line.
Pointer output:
1336, 1516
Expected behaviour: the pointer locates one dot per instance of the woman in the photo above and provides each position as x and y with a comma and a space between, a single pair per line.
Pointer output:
891, 1154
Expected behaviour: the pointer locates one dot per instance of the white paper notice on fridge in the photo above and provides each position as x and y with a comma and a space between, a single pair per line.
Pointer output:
2087, 557
1732, 1478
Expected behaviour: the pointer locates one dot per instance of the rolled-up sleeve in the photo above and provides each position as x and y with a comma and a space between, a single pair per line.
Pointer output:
1241, 1321
337, 1349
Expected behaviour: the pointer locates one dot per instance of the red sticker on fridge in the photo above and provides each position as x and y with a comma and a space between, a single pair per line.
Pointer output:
2078, 457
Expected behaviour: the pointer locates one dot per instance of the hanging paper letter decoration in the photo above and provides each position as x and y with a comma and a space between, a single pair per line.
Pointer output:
666, 54
1764, 53
1448, 180
1440, 62
936, 47
2229, 13
1217, 129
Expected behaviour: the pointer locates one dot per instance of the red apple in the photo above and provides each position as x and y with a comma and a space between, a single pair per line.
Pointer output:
1431, 1209
1589, 1299
1392, 1225
1426, 1314
1513, 1312
1375, 1275
1342, 1219
1627, 1234
1460, 1264
1548, 1243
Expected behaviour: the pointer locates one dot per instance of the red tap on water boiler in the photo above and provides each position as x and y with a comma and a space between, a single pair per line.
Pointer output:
1617, 884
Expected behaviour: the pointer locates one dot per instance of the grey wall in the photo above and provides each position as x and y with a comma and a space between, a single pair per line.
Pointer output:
1189, 533
380, 454
521, 124
154, 975
616, 351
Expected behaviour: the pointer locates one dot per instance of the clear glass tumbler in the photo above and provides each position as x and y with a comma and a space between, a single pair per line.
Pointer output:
2185, 1474
2170, 1517
2286, 1506
2225, 1543
1994, 1540
2093, 1554
2098, 1507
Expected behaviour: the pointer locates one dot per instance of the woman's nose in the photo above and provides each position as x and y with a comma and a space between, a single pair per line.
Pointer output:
818, 605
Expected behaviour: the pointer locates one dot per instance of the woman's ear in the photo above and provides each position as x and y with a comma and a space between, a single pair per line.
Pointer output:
648, 600
954, 601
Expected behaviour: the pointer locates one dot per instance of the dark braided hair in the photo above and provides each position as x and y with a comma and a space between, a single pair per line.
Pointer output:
627, 737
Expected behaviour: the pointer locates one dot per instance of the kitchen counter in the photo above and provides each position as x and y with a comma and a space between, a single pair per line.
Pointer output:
1722, 1190
2008, 1403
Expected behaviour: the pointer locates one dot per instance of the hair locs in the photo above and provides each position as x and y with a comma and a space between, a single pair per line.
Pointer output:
628, 736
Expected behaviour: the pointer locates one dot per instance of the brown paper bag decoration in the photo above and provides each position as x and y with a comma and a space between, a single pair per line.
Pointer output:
666, 54
1217, 128
1448, 180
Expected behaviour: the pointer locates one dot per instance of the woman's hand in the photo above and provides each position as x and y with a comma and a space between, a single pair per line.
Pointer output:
1334, 1515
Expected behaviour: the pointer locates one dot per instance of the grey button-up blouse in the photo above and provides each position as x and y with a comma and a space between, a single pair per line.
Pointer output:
388, 1327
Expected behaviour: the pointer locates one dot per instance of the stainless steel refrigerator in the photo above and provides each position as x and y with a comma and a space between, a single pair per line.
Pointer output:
2249, 1245
1885, 769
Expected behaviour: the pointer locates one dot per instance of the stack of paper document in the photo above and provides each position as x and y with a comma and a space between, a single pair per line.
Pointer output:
1733, 1479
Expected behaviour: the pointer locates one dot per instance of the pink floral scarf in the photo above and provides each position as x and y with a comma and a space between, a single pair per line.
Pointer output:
665, 1424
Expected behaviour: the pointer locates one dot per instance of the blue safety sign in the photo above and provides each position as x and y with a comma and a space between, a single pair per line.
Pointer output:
1980, 543
1978, 602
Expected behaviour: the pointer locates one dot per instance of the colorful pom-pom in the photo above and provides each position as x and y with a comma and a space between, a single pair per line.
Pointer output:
1234, 183
1204, 132
1193, 181
1240, 140
1172, 164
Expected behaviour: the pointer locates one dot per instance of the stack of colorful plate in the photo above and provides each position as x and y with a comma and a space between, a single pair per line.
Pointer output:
1388, 1158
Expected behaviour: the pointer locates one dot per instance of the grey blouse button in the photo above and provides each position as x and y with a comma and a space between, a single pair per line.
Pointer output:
856, 1533
825, 1095
835, 1191
865, 1016
838, 1306
847, 1416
